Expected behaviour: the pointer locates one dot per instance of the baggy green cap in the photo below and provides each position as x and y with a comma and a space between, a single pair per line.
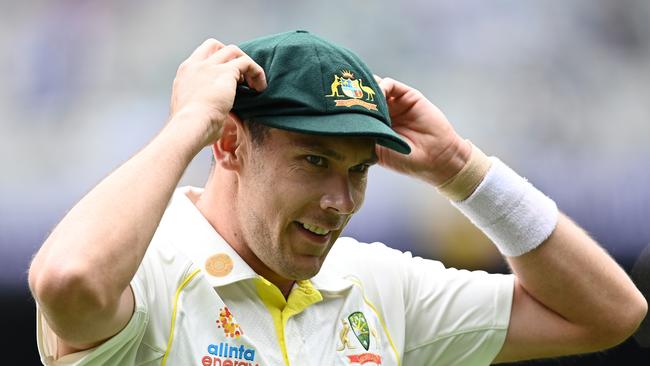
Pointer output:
315, 87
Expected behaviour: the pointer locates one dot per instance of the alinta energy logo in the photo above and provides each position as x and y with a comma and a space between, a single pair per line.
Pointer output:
225, 354
229, 354
226, 321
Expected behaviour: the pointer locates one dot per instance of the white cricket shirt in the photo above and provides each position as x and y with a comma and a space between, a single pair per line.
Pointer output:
199, 303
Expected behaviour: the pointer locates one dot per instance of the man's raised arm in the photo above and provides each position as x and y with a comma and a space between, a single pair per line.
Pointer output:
80, 276
570, 296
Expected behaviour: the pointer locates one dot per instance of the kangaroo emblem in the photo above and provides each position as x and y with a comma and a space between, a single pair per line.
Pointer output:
343, 337
335, 87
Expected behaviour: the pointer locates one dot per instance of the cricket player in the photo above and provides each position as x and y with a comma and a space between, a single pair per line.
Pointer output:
251, 269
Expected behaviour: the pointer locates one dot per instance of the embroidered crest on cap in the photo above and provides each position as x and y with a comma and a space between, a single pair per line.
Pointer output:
353, 89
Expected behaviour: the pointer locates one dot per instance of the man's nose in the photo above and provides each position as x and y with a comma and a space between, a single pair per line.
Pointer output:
338, 196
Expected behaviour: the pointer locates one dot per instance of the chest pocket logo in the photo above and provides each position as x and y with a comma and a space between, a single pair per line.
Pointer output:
365, 334
359, 326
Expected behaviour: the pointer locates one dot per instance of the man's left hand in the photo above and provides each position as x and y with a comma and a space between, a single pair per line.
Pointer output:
437, 151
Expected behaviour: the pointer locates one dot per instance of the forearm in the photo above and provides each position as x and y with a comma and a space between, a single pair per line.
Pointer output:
573, 276
103, 238
569, 295
585, 297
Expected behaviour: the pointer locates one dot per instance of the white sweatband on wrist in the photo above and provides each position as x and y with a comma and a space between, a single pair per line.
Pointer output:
516, 216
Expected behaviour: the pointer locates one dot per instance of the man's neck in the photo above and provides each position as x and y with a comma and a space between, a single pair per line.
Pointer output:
208, 205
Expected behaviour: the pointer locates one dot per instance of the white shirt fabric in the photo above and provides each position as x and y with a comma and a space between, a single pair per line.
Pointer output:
414, 311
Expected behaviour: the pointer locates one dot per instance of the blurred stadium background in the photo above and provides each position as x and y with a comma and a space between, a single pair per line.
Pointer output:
559, 90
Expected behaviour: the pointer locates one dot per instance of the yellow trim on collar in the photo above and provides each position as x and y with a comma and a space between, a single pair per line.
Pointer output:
300, 298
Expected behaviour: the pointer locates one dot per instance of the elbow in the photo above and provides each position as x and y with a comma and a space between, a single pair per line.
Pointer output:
622, 324
636, 313
631, 315
66, 290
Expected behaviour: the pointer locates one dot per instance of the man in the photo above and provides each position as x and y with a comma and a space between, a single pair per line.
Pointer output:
250, 269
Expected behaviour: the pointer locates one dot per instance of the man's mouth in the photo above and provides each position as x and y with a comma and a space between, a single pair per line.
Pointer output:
314, 229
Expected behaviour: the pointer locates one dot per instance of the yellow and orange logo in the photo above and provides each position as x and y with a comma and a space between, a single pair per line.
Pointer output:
227, 322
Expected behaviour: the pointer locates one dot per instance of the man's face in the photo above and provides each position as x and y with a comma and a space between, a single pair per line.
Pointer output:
296, 194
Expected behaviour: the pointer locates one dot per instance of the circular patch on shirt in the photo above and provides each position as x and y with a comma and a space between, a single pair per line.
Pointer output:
219, 265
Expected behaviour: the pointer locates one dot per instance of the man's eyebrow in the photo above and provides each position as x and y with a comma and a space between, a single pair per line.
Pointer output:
316, 147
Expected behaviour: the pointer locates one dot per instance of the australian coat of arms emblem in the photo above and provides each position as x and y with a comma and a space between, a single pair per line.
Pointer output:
346, 86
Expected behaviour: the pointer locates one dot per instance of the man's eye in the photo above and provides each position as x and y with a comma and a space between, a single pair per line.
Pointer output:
315, 160
361, 168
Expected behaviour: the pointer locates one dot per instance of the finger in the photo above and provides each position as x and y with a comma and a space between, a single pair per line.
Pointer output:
384, 85
207, 48
393, 88
225, 54
382, 88
252, 72
378, 81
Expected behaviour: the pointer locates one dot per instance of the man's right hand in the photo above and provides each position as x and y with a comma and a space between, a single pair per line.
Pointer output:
111, 227
205, 85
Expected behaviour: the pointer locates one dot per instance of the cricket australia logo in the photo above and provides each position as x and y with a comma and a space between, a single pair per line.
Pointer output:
357, 323
351, 88
360, 328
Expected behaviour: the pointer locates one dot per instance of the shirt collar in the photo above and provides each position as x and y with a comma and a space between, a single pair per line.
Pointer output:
195, 237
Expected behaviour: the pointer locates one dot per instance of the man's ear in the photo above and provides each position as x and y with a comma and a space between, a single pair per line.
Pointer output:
226, 150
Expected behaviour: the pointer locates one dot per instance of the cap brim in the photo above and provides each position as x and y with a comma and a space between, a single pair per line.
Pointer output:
342, 124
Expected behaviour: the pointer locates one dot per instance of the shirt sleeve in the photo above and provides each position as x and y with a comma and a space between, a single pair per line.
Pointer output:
436, 315
454, 317
121, 349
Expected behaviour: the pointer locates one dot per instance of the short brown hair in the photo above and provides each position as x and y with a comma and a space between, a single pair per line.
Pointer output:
257, 130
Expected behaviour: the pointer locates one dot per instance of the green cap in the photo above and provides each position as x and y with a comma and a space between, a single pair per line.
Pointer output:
315, 87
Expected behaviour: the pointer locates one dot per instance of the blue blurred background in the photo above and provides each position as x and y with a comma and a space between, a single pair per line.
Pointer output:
558, 90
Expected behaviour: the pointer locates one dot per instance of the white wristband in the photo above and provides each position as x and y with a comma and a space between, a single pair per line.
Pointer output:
516, 216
